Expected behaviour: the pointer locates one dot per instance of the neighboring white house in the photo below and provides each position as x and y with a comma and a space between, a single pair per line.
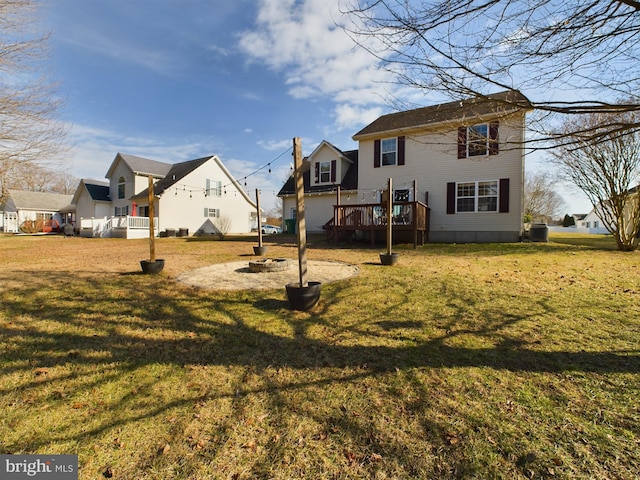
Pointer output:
93, 202
194, 197
463, 160
591, 223
34, 211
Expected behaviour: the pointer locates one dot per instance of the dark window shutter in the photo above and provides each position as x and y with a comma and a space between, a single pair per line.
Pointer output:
376, 153
317, 172
504, 195
401, 150
493, 138
206, 212
462, 142
451, 198
334, 165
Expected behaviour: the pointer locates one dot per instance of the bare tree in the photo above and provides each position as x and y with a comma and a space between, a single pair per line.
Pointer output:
64, 183
223, 226
540, 198
569, 58
607, 170
30, 131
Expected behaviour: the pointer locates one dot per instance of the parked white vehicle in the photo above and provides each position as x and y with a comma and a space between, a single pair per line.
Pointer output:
271, 229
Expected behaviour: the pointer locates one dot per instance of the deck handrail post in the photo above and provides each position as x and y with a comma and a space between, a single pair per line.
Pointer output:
389, 215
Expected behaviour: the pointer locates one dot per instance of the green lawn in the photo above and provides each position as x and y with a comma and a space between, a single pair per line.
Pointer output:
462, 361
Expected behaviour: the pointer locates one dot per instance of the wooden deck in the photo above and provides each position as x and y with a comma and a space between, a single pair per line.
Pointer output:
410, 222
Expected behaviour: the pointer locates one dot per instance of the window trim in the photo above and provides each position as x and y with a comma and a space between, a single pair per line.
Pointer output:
477, 140
502, 197
327, 172
213, 187
388, 151
333, 167
492, 140
399, 152
209, 211
121, 187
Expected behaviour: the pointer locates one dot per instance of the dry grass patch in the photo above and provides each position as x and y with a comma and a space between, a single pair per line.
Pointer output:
463, 361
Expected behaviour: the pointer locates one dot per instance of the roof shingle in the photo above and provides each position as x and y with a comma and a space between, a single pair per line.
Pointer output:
500, 103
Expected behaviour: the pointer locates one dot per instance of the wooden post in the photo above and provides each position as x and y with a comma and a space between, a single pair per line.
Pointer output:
259, 218
152, 213
415, 214
337, 215
301, 229
389, 215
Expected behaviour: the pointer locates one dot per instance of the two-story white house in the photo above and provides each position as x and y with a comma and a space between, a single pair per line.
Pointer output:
190, 198
457, 172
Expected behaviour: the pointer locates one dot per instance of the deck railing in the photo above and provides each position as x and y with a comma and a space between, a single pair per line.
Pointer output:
105, 227
406, 216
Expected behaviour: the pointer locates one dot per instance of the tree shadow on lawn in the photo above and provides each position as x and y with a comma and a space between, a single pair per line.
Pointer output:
91, 315
118, 324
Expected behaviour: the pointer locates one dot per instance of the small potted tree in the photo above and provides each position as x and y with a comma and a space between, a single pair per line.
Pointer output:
152, 265
389, 258
303, 295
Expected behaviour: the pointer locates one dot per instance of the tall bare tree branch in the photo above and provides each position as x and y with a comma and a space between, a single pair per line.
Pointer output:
30, 129
607, 171
568, 57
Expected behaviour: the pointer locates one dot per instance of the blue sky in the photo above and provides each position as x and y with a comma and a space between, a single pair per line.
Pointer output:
174, 80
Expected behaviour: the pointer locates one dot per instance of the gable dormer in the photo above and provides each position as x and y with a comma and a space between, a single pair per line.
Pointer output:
328, 165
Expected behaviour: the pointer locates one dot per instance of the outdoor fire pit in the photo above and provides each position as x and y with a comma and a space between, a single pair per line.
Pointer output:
269, 265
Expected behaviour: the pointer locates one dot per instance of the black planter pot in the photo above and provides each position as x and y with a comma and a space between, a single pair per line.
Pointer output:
388, 258
149, 267
303, 298
260, 251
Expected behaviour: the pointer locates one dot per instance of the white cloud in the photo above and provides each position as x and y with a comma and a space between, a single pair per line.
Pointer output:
93, 149
352, 117
319, 60
275, 145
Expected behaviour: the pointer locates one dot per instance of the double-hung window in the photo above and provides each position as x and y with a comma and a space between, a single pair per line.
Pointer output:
212, 212
213, 188
477, 196
325, 172
478, 140
488, 196
388, 151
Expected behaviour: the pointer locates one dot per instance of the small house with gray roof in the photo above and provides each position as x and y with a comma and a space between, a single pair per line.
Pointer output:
194, 197
34, 212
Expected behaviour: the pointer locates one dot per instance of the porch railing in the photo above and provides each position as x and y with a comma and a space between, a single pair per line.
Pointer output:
104, 227
406, 216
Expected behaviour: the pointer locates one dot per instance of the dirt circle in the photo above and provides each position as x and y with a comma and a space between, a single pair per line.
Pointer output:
237, 276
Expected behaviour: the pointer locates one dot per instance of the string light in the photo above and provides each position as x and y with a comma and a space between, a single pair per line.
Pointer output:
265, 166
